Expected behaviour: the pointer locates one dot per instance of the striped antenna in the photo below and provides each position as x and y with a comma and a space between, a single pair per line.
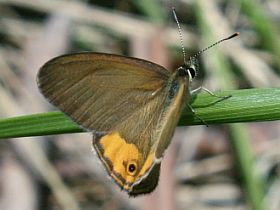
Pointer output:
201, 51
180, 33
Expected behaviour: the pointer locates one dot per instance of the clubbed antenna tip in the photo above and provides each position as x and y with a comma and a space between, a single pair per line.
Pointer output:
218, 42
233, 35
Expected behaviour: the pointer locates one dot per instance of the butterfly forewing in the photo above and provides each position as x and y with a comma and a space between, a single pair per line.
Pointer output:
98, 91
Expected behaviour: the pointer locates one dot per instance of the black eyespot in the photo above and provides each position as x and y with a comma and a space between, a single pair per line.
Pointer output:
131, 168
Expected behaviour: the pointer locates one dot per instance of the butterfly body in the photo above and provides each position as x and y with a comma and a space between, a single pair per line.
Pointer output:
131, 106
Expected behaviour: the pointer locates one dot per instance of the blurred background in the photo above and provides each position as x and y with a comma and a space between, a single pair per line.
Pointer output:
202, 168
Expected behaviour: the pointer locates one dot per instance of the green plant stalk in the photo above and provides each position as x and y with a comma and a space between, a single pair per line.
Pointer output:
252, 182
153, 10
268, 32
248, 105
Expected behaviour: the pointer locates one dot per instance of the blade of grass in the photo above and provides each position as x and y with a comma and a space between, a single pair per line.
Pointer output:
268, 31
245, 159
153, 10
247, 105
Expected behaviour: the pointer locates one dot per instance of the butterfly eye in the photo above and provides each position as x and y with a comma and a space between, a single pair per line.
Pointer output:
192, 71
131, 168
189, 70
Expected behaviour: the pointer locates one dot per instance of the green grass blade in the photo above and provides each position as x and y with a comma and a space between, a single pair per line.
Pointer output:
247, 105
267, 30
252, 183
153, 10
37, 125
244, 106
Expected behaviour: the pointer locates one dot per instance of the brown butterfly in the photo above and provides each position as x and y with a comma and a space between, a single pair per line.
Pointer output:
131, 106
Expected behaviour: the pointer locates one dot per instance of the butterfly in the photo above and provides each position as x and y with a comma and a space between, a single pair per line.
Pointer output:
131, 106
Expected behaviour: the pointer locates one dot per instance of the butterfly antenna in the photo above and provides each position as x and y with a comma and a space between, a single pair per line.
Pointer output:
180, 33
218, 42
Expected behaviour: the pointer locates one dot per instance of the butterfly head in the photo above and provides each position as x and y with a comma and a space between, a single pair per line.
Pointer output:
189, 68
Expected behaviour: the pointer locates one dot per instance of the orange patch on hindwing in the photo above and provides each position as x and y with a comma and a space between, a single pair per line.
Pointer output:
123, 161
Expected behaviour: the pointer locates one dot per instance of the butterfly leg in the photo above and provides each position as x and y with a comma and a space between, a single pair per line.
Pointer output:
196, 115
201, 88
